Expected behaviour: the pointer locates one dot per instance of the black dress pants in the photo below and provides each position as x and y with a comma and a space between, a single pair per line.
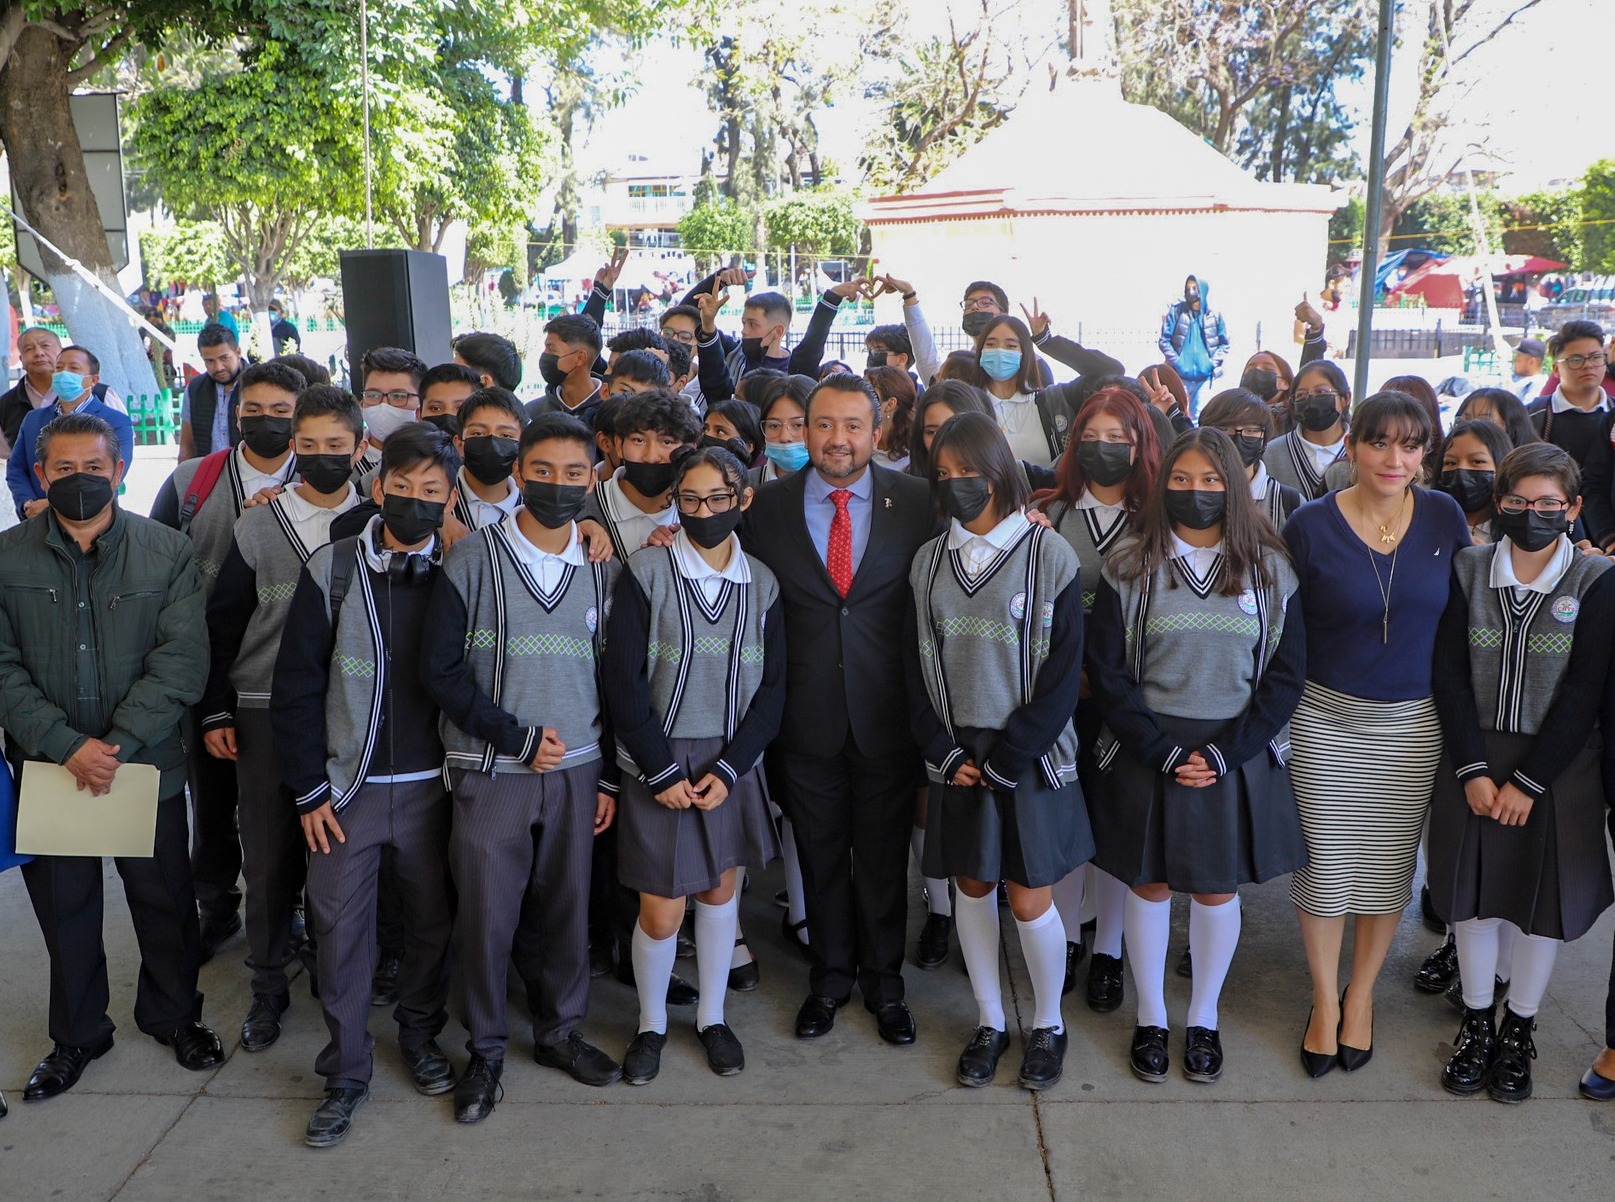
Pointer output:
215, 838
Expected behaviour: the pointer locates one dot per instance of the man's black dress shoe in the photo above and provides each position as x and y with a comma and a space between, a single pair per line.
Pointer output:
478, 1090
1148, 1056
679, 991
1471, 1060
895, 1022
1044, 1062
1510, 1076
1597, 1087
724, 1053
429, 1068
932, 949
59, 1071
262, 1026
1439, 970
1202, 1055
817, 1016
643, 1059
329, 1123
1105, 987
195, 1046
384, 985
216, 930
978, 1063
581, 1060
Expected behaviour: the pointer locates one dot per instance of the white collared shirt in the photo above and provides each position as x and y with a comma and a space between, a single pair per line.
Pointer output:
253, 481
489, 513
546, 567
1089, 501
1022, 424
1322, 456
706, 577
979, 549
633, 524
1560, 405
313, 522
1547, 580
1200, 559
1259, 482
375, 560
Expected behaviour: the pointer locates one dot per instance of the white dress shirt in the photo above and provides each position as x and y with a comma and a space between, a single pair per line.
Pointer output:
1199, 559
313, 522
1022, 424
1547, 580
706, 577
253, 481
980, 549
490, 513
547, 569
633, 524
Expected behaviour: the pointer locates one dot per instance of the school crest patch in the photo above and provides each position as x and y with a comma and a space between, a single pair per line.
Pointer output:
1565, 610
1017, 606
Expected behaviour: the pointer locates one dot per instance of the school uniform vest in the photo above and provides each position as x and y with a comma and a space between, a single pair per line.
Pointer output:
214, 522
1288, 461
268, 542
1091, 533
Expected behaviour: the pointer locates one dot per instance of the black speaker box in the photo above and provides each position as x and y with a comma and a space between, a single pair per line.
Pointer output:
395, 298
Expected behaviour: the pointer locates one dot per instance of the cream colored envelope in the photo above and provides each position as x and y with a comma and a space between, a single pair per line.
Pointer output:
56, 818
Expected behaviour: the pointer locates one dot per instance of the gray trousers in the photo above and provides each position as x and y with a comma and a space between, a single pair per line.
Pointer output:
274, 857
521, 852
413, 820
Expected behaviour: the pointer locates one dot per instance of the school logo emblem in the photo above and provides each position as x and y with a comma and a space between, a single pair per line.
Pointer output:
1017, 606
1565, 609
1061, 422
591, 619
1048, 614
1247, 601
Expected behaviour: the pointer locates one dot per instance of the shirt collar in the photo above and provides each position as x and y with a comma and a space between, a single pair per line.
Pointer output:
283, 472
1560, 405
624, 510
573, 554
819, 489
1089, 501
1259, 482
301, 510
999, 537
377, 560
1182, 550
692, 567
36, 399
1503, 567
507, 504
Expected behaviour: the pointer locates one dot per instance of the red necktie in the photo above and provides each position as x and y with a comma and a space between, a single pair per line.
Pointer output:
838, 558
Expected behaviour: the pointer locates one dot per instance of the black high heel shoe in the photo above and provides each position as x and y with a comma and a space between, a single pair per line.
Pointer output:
1316, 1064
1352, 1059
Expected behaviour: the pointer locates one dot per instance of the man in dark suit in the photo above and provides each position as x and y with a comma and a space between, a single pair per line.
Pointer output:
840, 536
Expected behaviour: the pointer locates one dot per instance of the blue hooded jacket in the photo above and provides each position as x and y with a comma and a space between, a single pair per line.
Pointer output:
1203, 358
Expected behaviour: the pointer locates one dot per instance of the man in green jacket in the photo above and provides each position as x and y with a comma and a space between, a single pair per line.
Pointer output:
103, 645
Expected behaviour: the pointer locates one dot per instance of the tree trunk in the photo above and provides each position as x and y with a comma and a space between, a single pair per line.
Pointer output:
47, 171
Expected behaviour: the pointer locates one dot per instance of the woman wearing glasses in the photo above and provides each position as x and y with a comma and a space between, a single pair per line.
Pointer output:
1517, 823
1374, 562
1319, 402
783, 405
695, 667
1247, 420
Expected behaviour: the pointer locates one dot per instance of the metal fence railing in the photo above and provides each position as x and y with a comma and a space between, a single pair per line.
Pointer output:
155, 418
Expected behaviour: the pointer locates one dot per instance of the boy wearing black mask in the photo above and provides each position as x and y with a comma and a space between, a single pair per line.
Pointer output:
571, 346
444, 390
491, 422
246, 614
358, 737
521, 616
638, 497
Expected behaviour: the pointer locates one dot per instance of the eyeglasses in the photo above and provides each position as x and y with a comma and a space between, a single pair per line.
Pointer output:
687, 337
978, 303
1547, 506
1580, 361
1244, 431
400, 398
773, 426
1332, 397
718, 502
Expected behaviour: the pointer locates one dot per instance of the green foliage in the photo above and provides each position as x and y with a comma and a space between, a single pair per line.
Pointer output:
816, 225
717, 227
1441, 221
1546, 224
193, 252
1598, 214
1346, 228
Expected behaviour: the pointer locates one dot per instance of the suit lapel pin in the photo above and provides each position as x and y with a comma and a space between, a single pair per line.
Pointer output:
888, 502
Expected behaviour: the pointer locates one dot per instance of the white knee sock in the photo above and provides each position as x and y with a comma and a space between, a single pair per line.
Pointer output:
1110, 897
1068, 900
1506, 933
936, 888
976, 919
1213, 936
1533, 966
653, 968
1148, 926
1477, 941
741, 955
795, 905
714, 946
1043, 945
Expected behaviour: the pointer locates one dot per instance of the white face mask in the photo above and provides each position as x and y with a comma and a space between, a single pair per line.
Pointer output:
383, 420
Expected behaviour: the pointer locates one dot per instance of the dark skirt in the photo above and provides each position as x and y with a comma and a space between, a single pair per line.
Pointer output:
1242, 830
674, 853
1550, 877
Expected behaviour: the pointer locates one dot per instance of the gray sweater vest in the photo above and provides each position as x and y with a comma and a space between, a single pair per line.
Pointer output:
213, 524
536, 656
1519, 650
1289, 462
1087, 533
358, 678
269, 544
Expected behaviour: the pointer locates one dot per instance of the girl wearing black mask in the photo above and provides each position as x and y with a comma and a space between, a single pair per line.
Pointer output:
1197, 662
695, 665
734, 426
1104, 480
1247, 420
1469, 459
995, 662
1319, 403
1517, 821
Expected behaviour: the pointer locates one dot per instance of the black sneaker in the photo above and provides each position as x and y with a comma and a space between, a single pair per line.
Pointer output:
478, 1090
579, 1059
1044, 1062
978, 1063
1471, 1062
329, 1123
724, 1053
1510, 1077
1106, 990
643, 1059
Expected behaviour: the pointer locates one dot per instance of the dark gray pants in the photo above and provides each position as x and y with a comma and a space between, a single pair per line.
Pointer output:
215, 841
274, 856
412, 820
520, 851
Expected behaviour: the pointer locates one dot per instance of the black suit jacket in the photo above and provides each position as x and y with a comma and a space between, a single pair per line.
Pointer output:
844, 660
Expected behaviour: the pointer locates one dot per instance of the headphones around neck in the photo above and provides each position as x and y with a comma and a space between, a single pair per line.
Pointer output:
405, 567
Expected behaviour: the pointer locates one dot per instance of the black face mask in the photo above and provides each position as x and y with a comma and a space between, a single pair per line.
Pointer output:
649, 479
1105, 463
964, 497
1470, 488
265, 435
411, 520
1195, 508
325, 474
976, 321
735, 446
708, 530
1530, 530
876, 359
1315, 415
449, 423
1250, 448
753, 349
549, 366
80, 496
553, 505
1262, 382
490, 458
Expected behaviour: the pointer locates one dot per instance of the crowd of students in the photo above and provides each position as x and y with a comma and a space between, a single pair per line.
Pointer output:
460, 684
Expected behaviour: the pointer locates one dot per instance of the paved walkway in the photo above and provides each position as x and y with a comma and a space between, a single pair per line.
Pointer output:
846, 1117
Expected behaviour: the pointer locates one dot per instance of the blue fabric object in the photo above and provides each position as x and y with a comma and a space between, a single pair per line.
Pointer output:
1194, 363
20, 478
819, 511
8, 821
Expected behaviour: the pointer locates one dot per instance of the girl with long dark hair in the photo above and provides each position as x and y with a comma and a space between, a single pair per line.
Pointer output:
1319, 403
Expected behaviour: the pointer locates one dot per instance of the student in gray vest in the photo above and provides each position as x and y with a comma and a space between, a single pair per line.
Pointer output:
1246, 419
246, 614
1320, 401
358, 742
519, 618
638, 497
695, 665
1198, 660
994, 658
490, 427
1517, 820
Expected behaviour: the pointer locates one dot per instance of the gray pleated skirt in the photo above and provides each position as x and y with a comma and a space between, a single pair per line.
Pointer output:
674, 853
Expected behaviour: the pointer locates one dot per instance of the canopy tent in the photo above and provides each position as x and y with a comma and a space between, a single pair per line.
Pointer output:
1444, 282
581, 264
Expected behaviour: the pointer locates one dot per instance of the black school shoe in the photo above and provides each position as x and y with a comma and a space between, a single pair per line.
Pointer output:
1044, 1062
932, 949
1106, 989
1074, 953
1202, 1057
478, 1090
384, 984
1148, 1056
1510, 1077
1471, 1062
643, 1059
978, 1063
724, 1053
745, 977
579, 1059
330, 1122
61, 1069
429, 1068
1439, 970
195, 1046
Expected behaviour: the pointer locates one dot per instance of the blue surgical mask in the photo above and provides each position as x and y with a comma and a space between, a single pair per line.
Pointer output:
787, 456
68, 385
1000, 364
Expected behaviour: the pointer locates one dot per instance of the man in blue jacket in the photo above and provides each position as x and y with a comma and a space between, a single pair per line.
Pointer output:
74, 381
1193, 339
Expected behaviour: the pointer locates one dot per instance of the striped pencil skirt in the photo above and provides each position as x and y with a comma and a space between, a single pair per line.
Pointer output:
1363, 772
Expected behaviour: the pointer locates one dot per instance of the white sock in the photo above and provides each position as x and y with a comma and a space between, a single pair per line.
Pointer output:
714, 947
741, 955
1068, 900
1089, 909
795, 905
1110, 898
1148, 926
976, 919
936, 888
653, 968
1213, 936
1477, 941
1505, 951
1533, 966
1043, 945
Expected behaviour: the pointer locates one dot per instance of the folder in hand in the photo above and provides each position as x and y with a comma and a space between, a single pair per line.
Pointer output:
57, 818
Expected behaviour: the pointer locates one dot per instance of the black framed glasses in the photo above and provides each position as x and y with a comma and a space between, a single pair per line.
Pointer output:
1547, 506
400, 398
718, 502
1580, 361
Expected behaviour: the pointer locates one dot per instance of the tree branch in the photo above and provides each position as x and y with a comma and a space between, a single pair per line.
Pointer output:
107, 55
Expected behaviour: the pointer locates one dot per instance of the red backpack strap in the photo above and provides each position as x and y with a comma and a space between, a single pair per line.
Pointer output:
202, 483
